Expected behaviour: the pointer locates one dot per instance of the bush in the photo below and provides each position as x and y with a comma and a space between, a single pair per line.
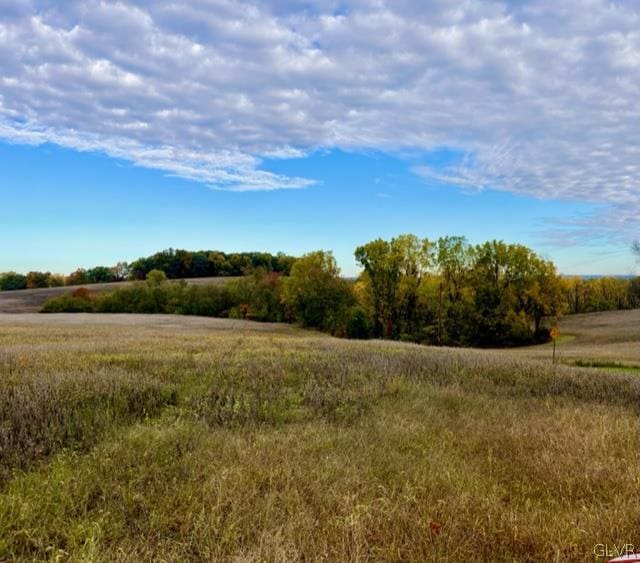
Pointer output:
83, 293
67, 303
358, 325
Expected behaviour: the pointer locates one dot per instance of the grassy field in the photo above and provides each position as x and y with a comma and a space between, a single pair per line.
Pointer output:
595, 338
179, 438
32, 300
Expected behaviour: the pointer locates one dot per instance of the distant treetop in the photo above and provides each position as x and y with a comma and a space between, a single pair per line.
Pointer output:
208, 263
174, 263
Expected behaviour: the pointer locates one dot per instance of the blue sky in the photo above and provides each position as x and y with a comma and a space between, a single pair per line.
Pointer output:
129, 127
63, 209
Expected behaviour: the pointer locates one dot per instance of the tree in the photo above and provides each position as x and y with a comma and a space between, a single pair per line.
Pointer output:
382, 278
38, 279
488, 279
394, 271
542, 292
514, 290
574, 293
156, 278
414, 258
454, 257
283, 263
358, 323
200, 263
56, 280
258, 296
78, 277
120, 272
634, 293
12, 280
100, 274
217, 264
314, 293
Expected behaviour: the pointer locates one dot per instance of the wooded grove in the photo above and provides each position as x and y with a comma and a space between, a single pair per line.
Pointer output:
445, 292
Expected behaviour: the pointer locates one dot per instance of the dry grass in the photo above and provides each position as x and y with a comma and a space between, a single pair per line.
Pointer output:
597, 337
260, 445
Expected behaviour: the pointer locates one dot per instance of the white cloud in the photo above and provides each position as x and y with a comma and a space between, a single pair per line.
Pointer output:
542, 96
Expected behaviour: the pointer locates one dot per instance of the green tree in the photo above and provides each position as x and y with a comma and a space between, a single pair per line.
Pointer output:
634, 293
38, 279
358, 325
100, 274
382, 280
414, 258
12, 280
56, 280
315, 294
78, 277
257, 296
394, 271
514, 290
454, 307
156, 278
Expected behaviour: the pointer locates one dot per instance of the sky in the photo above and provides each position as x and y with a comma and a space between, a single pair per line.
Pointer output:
130, 127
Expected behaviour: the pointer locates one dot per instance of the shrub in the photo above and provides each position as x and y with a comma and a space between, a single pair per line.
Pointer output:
358, 325
83, 293
67, 303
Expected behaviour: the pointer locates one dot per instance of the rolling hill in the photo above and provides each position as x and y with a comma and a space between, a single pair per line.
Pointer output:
136, 437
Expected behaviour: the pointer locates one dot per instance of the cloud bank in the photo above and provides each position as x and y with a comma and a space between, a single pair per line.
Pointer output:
542, 96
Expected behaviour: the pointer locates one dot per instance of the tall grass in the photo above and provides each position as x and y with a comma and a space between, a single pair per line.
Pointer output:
40, 415
162, 444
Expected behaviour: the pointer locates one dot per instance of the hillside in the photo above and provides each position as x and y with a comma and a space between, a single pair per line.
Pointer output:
612, 336
136, 437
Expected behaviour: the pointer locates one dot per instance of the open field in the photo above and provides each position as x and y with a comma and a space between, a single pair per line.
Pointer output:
181, 438
31, 300
599, 338
146, 323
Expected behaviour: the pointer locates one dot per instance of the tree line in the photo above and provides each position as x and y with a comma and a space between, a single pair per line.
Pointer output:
600, 294
445, 292
450, 292
175, 263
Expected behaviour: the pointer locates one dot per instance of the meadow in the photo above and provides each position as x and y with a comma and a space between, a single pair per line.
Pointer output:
132, 437
595, 339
